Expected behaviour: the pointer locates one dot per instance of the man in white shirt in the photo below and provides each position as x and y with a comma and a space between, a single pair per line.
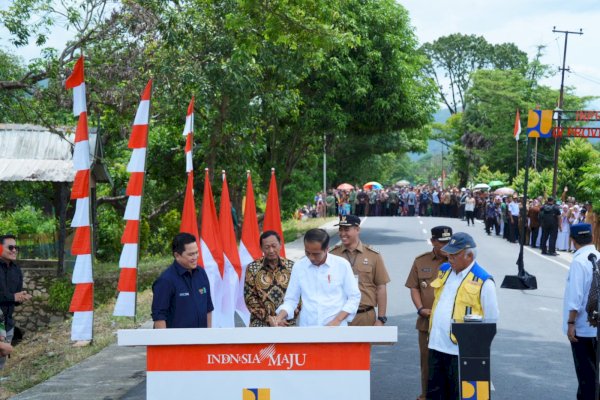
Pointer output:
462, 288
576, 326
326, 284
513, 219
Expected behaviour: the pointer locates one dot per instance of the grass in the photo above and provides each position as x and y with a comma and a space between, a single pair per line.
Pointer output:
293, 229
46, 353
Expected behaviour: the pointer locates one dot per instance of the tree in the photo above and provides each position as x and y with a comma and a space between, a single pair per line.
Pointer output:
590, 185
455, 57
574, 156
485, 175
540, 183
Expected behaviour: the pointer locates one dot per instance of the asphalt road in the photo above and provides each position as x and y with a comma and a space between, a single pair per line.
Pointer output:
531, 358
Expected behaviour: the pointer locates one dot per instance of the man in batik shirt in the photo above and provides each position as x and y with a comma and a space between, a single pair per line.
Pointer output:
267, 279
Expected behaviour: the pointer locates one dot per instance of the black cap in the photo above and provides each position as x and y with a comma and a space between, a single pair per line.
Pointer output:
550, 199
348, 220
458, 242
441, 233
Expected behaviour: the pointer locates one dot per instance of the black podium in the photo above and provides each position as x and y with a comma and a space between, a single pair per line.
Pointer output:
474, 342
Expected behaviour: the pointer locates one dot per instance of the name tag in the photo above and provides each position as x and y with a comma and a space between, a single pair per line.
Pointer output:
184, 294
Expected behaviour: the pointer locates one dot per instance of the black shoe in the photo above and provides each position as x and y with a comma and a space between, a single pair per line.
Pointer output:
543, 252
553, 254
533, 247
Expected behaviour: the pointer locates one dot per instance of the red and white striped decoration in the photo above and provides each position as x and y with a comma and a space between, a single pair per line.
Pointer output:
82, 303
128, 263
188, 132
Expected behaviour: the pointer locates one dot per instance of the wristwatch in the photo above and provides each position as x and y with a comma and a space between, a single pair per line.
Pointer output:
382, 319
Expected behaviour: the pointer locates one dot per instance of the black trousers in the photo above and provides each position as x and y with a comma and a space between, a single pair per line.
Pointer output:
492, 222
551, 234
513, 227
442, 383
584, 356
534, 235
470, 215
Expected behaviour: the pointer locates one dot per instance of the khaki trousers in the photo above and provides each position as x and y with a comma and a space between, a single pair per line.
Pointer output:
424, 350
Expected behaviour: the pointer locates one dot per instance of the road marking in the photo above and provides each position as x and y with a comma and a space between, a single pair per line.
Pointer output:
547, 258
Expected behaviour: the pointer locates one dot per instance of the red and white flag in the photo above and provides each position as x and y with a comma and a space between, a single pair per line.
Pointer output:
82, 303
128, 262
212, 252
189, 218
188, 132
272, 213
233, 269
517, 129
249, 246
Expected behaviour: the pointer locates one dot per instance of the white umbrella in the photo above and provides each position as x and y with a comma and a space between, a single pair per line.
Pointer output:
403, 182
482, 186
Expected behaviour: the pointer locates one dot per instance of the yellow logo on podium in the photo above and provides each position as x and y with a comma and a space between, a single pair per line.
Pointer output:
475, 390
256, 394
539, 124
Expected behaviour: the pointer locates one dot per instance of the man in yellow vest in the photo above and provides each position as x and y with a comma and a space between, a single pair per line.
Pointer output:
462, 288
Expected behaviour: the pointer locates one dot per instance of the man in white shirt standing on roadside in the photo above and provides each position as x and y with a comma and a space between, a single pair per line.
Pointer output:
576, 326
326, 284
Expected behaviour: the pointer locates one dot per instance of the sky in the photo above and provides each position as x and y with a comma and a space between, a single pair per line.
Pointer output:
527, 24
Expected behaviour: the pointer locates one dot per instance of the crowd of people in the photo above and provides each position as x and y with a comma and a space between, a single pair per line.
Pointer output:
545, 224
500, 213
423, 200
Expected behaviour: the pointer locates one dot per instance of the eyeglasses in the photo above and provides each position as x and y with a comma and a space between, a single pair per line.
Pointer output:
12, 248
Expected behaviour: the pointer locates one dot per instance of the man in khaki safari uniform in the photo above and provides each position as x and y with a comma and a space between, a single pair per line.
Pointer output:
367, 264
424, 270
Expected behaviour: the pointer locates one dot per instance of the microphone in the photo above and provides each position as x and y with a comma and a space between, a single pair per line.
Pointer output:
592, 257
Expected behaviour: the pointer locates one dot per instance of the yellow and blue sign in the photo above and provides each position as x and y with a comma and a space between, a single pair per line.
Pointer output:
475, 390
256, 394
539, 124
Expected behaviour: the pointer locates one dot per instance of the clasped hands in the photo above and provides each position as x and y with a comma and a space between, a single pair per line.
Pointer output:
21, 297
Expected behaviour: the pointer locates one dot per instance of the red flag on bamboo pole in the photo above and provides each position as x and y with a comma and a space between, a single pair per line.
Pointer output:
272, 213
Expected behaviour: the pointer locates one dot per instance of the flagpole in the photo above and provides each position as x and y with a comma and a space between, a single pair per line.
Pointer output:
517, 162
535, 155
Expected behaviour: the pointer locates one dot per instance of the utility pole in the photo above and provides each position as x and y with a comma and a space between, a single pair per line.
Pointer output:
558, 138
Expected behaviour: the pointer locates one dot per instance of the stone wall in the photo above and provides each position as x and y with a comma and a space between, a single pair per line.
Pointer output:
37, 278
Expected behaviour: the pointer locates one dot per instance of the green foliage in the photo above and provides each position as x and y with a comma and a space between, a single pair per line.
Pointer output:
27, 220
110, 230
159, 240
484, 175
540, 183
574, 156
589, 185
60, 294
